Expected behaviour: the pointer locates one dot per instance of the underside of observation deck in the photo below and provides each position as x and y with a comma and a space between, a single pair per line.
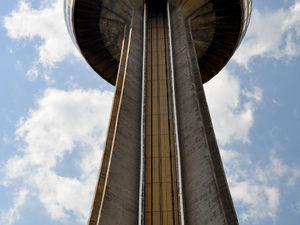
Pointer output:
97, 28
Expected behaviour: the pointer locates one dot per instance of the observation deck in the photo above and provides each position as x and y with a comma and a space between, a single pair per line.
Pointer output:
97, 27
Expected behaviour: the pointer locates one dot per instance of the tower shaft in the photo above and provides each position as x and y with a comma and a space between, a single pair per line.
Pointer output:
140, 182
161, 205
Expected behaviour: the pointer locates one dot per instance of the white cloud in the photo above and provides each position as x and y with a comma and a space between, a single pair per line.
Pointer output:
19, 65
33, 73
277, 102
9, 217
232, 117
63, 122
5, 139
47, 24
271, 34
256, 187
294, 176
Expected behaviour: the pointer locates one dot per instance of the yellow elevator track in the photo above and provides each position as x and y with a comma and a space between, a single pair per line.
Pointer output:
161, 192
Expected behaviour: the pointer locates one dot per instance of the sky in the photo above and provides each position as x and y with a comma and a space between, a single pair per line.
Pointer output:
55, 109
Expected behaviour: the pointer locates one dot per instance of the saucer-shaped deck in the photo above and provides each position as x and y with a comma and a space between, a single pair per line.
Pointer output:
97, 27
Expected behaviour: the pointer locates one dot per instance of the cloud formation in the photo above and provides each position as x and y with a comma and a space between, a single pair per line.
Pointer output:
12, 215
46, 24
256, 187
271, 34
62, 123
232, 108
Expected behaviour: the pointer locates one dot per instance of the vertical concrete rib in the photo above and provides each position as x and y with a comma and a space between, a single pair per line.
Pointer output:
117, 197
206, 195
142, 158
99, 190
181, 210
216, 161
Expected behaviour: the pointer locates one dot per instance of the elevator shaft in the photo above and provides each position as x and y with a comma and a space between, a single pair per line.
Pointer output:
161, 197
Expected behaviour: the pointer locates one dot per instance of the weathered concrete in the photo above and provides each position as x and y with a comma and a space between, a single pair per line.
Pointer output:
207, 198
99, 191
116, 198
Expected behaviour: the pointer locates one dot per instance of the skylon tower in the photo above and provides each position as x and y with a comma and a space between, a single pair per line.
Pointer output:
161, 164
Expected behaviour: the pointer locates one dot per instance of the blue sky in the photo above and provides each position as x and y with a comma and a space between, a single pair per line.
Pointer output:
55, 109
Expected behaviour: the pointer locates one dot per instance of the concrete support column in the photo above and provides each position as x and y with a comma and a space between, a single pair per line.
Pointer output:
207, 200
117, 191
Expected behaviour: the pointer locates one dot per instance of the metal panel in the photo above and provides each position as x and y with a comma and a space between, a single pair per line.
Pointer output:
161, 176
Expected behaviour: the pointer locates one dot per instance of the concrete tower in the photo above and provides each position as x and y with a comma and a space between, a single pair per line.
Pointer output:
161, 163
